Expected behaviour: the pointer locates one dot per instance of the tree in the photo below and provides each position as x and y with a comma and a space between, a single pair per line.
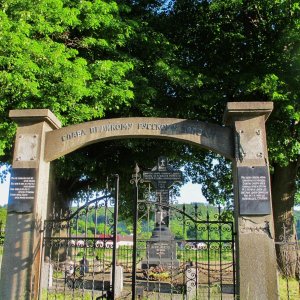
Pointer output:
75, 58
81, 59
86, 60
65, 56
243, 51
177, 230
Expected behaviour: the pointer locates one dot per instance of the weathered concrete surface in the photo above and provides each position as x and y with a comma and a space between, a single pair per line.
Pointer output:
255, 248
23, 243
119, 281
210, 136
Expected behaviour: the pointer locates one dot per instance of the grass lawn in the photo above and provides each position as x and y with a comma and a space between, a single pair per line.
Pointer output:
291, 291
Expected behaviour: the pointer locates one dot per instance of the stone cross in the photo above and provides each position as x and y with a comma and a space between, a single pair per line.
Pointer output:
162, 177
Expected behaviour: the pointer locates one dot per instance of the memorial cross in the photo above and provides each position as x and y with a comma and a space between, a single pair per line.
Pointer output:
162, 177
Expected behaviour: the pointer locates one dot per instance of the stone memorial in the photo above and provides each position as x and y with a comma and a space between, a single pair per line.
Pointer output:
46, 274
161, 247
119, 281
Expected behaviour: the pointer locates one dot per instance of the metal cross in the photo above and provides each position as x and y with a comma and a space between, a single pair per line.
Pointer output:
162, 177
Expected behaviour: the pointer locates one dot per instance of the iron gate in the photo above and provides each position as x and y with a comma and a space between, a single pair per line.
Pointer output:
192, 257
80, 250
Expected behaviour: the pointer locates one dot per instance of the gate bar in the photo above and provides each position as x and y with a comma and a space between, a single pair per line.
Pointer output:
135, 180
116, 215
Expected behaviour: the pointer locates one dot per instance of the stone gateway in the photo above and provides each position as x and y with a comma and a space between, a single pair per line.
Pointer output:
40, 140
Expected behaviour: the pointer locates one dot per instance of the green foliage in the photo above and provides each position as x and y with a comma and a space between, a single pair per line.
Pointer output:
178, 230
65, 56
181, 225
3, 215
241, 51
87, 60
288, 288
86, 225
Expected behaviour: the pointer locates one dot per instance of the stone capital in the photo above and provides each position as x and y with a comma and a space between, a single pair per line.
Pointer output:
238, 111
32, 116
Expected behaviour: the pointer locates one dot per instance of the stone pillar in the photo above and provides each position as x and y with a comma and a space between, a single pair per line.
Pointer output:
27, 205
119, 282
255, 248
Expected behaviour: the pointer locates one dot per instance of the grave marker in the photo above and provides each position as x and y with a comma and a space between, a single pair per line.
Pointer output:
161, 248
162, 177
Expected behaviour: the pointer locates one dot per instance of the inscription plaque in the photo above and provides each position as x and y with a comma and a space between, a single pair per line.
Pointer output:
161, 249
254, 190
174, 176
22, 190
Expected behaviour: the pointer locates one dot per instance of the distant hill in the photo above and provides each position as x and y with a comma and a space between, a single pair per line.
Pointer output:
189, 208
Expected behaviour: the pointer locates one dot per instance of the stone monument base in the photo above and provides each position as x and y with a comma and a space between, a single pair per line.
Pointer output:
161, 249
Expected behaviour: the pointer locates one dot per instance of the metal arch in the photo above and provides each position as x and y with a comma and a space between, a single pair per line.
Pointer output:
87, 204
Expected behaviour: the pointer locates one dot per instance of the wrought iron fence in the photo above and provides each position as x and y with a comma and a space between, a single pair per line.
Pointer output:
180, 251
78, 258
193, 259
288, 258
192, 256
80, 264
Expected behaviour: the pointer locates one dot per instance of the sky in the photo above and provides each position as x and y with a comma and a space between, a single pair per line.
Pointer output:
4, 187
188, 193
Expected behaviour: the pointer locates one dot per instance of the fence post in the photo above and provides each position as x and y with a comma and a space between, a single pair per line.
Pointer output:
136, 178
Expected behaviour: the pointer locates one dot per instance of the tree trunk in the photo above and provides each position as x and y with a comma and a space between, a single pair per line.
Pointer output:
283, 196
